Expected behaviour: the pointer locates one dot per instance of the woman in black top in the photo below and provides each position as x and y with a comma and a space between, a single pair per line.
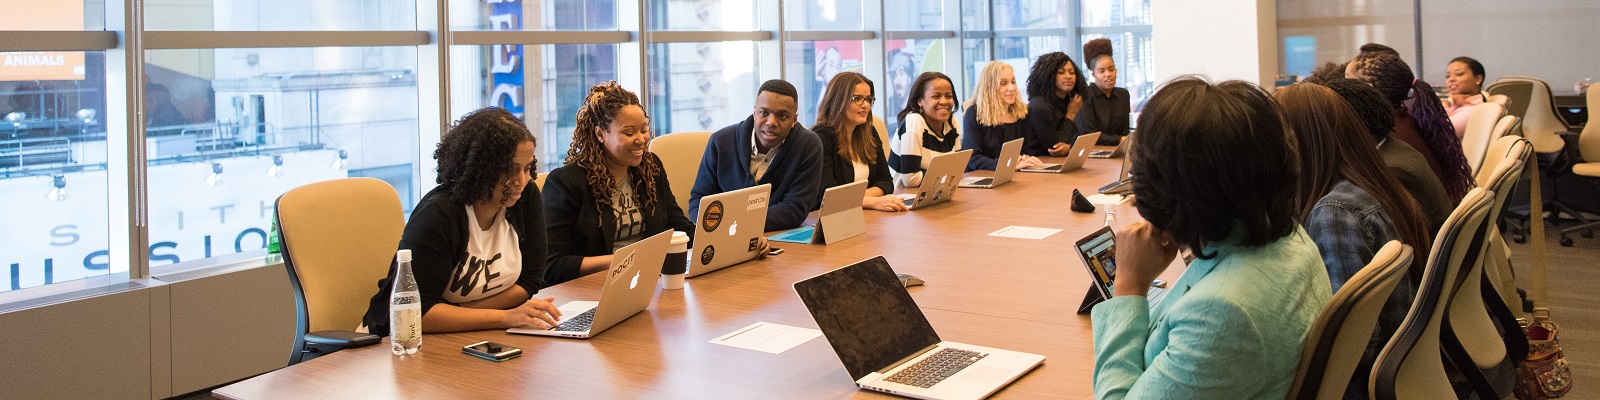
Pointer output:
611, 191
1055, 95
478, 250
1106, 108
994, 116
850, 144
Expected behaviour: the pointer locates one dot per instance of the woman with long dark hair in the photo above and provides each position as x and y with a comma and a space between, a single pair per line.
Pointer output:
1056, 90
1420, 119
851, 149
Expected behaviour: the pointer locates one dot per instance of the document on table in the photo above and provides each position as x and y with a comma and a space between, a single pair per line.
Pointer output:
1108, 199
1024, 232
768, 337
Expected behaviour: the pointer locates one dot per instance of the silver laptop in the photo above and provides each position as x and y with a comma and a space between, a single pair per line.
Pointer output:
731, 225
1098, 252
1122, 148
940, 180
1124, 182
1075, 156
1003, 169
840, 218
887, 345
629, 288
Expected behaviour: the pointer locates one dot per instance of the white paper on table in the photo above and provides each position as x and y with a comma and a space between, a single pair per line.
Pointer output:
1024, 232
768, 337
1108, 199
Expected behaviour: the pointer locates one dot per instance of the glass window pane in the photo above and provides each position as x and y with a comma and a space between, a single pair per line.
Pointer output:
280, 15
701, 86
975, 15
231, 129
703, 15
1030, 14
547, 96
1135, 57
975, 53
530, 15
1115, 13
907, 59
813, 64
914, 15
52, 15
53, 171
824, 15
1333, 31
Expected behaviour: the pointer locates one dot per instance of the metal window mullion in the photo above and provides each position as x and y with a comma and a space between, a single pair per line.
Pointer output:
57, 40
813, 36
708, 36
127, 199
1111, 30
158, 40
540, 37
919, 35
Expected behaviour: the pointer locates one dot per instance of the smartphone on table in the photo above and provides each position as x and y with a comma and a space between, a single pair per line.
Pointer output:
492, 351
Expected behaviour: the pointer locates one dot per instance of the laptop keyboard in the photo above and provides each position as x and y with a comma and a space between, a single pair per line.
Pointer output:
932, 370
579, 323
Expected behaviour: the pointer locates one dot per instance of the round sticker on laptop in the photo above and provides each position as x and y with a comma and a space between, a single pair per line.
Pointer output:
707, 255
712, 217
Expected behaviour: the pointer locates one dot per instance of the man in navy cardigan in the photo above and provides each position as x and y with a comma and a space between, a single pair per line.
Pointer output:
768, 147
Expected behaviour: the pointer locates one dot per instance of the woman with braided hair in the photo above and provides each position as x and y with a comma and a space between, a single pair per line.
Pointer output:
1419, 120
610, 192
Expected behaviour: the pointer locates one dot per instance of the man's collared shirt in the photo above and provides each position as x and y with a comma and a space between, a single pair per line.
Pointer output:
759, 160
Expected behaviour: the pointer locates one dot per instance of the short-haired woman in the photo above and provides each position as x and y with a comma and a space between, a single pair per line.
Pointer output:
1233, 324
611, 191
477, 240
995, 115
1055, 95
926, 128
851, 148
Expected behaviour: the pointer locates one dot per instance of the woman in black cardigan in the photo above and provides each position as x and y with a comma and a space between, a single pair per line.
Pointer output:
850, 144
611, 191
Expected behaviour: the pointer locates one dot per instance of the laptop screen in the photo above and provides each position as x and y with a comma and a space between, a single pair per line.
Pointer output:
867, 316
1099, 251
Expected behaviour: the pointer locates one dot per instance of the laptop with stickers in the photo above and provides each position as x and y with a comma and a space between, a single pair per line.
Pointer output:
940, 180
731, 224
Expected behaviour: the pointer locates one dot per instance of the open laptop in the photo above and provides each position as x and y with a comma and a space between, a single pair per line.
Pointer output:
1124, 182
1004, 167
731, 224
630, 285
1122, 148
1075, 156
940, 180
887, 345
840, 218
1098, 252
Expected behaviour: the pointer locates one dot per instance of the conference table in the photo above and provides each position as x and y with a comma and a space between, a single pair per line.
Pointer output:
1009, 293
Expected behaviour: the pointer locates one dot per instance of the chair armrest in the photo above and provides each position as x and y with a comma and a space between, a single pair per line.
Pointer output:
341, 339
1569, 135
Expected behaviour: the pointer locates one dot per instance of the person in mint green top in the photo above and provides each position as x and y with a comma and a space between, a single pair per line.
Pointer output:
1232, 325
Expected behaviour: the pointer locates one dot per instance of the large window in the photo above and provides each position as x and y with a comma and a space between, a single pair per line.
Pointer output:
1127, 24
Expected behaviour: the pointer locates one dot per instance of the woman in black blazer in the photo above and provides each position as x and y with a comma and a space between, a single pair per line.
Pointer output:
850, 144
611, 191
1106, 108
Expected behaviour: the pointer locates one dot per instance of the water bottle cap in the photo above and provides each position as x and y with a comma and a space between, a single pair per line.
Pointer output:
403, 255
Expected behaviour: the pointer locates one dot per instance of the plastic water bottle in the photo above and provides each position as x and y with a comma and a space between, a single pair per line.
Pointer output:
1111, 216
405, 308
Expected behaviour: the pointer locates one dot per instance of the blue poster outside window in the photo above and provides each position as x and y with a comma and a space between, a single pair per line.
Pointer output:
505, 60
1300, 55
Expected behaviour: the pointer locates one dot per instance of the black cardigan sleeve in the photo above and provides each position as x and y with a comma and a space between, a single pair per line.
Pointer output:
570, 222
878, 174
529, 212
972, 138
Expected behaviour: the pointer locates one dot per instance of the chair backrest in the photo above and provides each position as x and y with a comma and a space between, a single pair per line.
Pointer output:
1532, 101
1480, 132
883, 135
538, 180
1500, 99
1335, 343
1410, 366
338, 238
1589, 140
680, 155
1509, 125
1501, 176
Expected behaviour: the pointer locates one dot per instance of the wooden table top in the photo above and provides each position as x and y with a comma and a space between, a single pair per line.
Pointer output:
1009, 293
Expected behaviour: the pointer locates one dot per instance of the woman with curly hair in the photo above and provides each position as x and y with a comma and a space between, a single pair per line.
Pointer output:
611, 191
995, 115
1106, 107
1055, 95
851, 150
476, 240
1420, 119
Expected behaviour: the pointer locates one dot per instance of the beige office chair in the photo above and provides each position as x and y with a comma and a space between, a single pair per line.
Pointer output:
1410, 365
1504, 152
883, 135
1478, 312
1589, 167
1500, 99
338, 238
539, 180
680, 155
1532, 101
1480, 132
1334, 345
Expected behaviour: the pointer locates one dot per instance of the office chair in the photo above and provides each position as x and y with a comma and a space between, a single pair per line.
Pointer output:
1334, 345
883, 135
1482, 337
1500, 99
1532, 101
1410, 365
1506, 150
338, 238
680, 155
538, 180
1588, 166
1480, 132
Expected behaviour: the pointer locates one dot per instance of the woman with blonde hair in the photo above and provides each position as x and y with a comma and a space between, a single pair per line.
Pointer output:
611, 191
995, 115
851, 149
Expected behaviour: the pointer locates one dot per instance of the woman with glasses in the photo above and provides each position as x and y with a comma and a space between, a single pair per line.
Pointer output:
611, 191
851, 148
994, 116
1106, 107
